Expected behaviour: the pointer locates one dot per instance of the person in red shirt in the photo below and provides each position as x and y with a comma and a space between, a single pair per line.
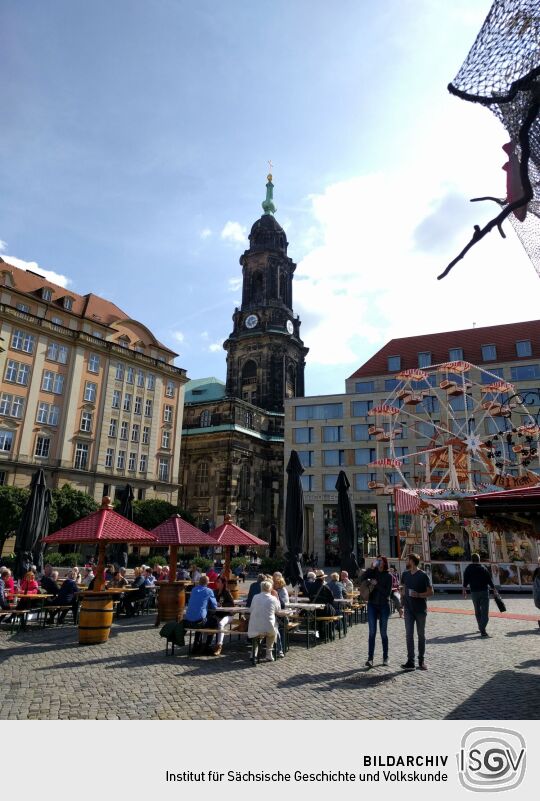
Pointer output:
9, 584
212, 578
29, 585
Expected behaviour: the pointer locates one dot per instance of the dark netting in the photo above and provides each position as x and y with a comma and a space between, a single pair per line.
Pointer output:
502, 71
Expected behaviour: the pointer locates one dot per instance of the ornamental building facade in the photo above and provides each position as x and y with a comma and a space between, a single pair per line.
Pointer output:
232, 459
86, 393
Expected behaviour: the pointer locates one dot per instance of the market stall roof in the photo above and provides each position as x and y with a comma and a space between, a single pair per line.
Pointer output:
105, 525
524, 499
411, 501
231, 534
177, 531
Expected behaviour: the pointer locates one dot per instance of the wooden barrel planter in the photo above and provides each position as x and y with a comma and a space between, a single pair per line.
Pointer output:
171, 601
95, 618
232, 584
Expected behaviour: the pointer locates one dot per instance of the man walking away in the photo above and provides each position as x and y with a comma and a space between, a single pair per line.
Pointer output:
415, 588
478, 579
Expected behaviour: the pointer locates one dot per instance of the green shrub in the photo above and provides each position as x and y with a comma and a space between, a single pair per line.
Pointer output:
239, 561
271, 564
72, 559
157, 560
203, 563
8, 560
53, 558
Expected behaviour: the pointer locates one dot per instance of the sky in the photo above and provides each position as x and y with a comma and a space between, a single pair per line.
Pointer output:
135, 141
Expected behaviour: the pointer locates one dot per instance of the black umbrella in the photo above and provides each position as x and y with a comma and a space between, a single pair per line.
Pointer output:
294, 520
34, 526
273, 540
346, 526
119, 552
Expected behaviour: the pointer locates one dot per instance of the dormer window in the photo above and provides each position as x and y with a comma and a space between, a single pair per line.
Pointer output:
46, 293
7, 278
67, 303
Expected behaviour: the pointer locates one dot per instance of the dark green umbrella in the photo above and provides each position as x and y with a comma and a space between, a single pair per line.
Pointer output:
126, 510
34, 526
294, 520
345, 523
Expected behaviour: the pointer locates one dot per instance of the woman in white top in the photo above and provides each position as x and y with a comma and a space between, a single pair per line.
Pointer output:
262, 620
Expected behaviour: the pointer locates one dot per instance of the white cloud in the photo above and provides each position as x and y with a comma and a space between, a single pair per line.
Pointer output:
205, 335
385, 237
216, 347
234, 232
235, 283
50, 275
205, 233
178, 336
3, 245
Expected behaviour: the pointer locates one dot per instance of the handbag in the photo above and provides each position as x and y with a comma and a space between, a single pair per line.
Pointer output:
365, 589
501, 606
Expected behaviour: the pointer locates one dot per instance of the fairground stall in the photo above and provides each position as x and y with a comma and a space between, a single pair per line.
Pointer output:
454, 442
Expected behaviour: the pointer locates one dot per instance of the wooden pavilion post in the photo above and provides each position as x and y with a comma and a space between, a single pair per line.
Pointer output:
99, 583
173, 562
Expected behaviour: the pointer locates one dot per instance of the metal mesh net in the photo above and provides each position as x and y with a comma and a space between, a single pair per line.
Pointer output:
502, 72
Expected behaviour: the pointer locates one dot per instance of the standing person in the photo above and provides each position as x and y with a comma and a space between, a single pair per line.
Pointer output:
378, 608
416, 587
536, 587
478, 579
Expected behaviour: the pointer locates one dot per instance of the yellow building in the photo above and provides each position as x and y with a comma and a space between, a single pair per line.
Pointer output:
86, 392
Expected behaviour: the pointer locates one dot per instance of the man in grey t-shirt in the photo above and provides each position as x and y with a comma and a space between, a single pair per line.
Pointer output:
415, 588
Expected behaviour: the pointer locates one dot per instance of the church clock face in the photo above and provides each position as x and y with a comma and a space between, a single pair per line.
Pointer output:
251, 321
290, 327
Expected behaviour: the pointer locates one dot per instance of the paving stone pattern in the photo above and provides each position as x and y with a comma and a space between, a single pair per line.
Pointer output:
45, 674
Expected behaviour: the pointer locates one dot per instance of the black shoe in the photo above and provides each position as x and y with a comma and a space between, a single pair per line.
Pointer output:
408, 666
253, 661
484, 634
369, 663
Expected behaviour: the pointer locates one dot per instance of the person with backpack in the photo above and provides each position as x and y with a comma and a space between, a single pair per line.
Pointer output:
478, 579
536, 587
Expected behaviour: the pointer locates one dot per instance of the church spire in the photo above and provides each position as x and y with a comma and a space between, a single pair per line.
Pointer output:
269, 207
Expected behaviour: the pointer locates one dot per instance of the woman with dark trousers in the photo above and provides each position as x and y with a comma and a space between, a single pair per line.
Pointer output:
380, 580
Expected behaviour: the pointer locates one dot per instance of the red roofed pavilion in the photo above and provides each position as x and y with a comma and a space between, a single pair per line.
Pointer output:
175, 532
228, 535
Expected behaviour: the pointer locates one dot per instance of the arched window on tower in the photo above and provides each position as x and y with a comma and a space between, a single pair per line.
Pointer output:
257, 287
283, 286
249, 381
201, 480
244, 482
290, 384
205, 419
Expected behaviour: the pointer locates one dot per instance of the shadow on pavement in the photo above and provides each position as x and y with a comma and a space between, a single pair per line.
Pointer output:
453, 638
509, 695
524, 632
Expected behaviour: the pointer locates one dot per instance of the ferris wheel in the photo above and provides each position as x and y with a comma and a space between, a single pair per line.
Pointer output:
467, 433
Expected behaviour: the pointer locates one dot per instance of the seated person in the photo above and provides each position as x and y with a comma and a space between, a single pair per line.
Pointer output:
87, 577
255, 588
308, 583
119, 579
347, 583
4, 603
29, 585
262, 620
201, 598
67, 596
9, 584
149, 578
219, 619
182, 574
49, 582
109, 573
335, 586
195, 574
212, 578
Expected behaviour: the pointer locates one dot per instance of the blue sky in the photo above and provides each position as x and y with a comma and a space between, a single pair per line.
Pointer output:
135, 137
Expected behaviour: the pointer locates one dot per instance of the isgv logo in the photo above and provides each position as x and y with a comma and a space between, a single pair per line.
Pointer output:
491, 760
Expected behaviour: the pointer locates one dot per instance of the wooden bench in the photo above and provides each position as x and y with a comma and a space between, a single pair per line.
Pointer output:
54, 608
329, 627
17, 617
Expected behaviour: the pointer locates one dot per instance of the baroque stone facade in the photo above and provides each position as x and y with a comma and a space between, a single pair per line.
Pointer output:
232, 460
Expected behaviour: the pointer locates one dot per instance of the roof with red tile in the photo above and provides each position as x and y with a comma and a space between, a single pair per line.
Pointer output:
91, 307
177, 531
504, 337
105, 525
231, 534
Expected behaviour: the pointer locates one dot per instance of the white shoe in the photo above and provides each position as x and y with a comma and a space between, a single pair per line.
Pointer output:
269, 658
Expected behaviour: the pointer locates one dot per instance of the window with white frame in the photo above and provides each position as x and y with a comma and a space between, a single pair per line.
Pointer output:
93, 363
109, 457
57, 352
148, 408
17, 406
46, 293
52, 382
24, 307
127, 401
165, 439
137, 406
132, 461
140, 378
6, 440
121, 460
81, 455
90, 391
116, 398
124, 429
43, 445
57, 321
205, 419
523, 348
167, 414
169, 390
113, 427
22, 340
143, 463
163, 469
86, 421
146, 435
135, 429
119, 371
130, 375
68, 303
17, 372
424, 359
151, 381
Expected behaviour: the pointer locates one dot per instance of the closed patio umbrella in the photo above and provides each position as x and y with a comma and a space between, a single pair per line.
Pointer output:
126, 510
346, 526
34, 526
294, 520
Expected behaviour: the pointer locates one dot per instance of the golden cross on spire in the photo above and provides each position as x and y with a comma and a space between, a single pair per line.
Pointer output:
270, 167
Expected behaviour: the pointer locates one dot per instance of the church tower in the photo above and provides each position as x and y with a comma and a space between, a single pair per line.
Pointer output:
265, 354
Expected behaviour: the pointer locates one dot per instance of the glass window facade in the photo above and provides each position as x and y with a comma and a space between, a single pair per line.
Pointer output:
489, 353
525, 372
394, 364
364, 387
361, 408
302, 436
321, 411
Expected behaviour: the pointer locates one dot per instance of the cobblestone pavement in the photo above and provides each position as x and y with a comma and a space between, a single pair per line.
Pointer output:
46, 674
